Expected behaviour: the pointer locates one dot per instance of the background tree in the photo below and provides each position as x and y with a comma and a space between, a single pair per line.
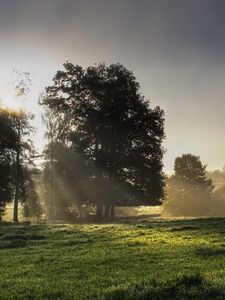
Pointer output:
23, 129
32, 180
114, 132
217, 176
22, 155
16, 159
218, 197
189, 192
52, 136
61, 169
16, 148
7, 146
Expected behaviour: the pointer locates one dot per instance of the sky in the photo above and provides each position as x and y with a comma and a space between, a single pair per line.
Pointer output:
176, 49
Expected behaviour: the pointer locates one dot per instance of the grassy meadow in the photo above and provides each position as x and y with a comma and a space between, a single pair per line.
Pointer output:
182, 259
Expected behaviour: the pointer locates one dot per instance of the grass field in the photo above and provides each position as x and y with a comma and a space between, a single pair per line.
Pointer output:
144, 260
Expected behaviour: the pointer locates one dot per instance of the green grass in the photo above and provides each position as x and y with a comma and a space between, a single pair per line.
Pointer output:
145, 260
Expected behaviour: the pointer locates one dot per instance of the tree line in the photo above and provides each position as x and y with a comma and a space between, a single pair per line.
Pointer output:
104, 150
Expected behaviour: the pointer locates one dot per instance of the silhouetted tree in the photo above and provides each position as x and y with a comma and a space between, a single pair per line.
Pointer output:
32, 205
52, 136
16, 148
112, 127
189, 192
217, 176
7, 146
22, 155
189, 168
63, 170
22, 127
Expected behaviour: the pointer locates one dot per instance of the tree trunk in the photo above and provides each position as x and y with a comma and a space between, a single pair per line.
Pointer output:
106, 212
17, 186
99, 212
52, 212
80, 211
0, 216
112, 213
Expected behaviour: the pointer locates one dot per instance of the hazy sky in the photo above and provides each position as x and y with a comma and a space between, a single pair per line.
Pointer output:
176, 49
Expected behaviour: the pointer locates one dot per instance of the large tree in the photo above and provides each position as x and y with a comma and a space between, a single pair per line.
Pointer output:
112, 127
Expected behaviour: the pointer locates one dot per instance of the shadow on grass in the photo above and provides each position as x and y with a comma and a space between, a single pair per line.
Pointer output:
185, 228
186, 287
209, 252
19, 236
13, 244
36, 235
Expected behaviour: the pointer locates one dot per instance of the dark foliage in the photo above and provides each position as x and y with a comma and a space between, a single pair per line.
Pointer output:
7, 146
112, 134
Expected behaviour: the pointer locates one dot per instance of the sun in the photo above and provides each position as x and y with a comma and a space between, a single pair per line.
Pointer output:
9, 100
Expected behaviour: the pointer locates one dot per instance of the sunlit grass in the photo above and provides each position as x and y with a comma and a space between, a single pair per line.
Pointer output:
145, 260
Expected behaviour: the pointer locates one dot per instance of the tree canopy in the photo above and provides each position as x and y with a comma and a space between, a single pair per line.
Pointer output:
190, 169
